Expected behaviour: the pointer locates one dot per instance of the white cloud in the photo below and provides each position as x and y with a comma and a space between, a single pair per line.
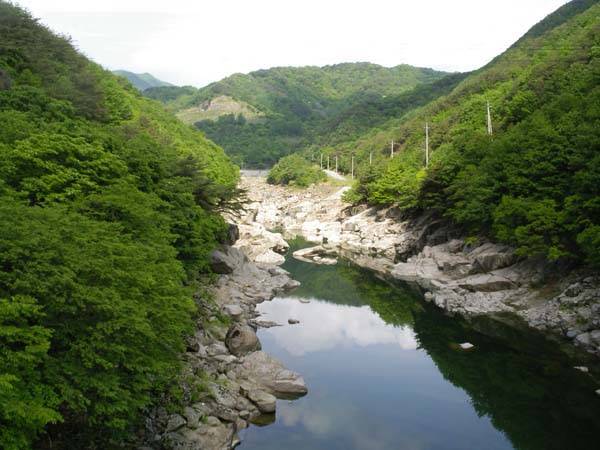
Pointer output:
196, 43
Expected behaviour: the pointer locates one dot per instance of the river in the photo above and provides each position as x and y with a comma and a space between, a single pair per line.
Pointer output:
385, 371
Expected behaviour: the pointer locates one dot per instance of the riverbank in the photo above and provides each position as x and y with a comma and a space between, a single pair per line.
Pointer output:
461, 275
228, 382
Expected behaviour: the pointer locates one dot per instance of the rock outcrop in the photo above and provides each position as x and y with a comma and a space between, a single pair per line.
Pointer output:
261, 245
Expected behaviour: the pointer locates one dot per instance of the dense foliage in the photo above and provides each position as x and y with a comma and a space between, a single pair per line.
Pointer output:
294, 103
167, 94
295, 170
534, 183
108, 211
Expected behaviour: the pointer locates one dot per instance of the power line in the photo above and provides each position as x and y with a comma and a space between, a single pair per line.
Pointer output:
426, 144
489, 119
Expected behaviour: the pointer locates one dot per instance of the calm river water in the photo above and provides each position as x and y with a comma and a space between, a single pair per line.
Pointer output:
384, 371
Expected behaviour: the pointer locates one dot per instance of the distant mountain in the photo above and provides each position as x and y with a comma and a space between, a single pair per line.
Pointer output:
142, 81
261, 116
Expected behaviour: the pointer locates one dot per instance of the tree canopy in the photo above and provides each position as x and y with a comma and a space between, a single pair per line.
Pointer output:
109, 208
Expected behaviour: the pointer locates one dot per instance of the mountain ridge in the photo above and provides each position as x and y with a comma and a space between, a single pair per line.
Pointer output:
141, 81
289, 104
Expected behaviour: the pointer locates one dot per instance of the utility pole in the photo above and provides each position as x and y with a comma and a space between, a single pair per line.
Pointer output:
335, 163
426, 144
370, 158
352, 167
327, 162
489, 119
321, 161
392, 150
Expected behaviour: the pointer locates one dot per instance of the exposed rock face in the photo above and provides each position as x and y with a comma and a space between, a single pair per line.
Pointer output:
229, 381
312, 213
575, 311
261, 245
474, 278
226, 260
488, 257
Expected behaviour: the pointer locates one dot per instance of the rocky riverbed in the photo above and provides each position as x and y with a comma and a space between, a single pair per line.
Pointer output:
228, 382
464, 276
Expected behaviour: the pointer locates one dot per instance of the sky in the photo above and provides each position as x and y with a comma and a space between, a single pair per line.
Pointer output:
196, 42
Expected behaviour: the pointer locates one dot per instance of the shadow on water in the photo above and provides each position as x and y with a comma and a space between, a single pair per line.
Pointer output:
516, 378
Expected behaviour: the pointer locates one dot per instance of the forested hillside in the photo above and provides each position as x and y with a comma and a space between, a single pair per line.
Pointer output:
533, 183
108, 211
266, 114
142, 81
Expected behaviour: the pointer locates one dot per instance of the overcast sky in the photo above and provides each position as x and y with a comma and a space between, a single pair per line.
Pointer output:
197, 42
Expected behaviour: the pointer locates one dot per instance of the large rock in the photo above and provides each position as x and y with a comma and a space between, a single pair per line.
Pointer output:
316, 255
241, 339
584, 339
269, 257
268, 373
226, 260
175, 422
488, 257
288, 383
264, 401
234, 311
192, 416
261, 245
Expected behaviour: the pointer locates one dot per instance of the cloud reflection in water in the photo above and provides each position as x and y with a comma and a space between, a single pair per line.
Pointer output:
324, 326
342, 420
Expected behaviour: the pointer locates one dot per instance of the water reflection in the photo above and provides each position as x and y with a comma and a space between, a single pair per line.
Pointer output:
325, 326
325, 419
384, 371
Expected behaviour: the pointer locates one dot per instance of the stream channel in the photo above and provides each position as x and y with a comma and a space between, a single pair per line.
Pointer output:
384, 370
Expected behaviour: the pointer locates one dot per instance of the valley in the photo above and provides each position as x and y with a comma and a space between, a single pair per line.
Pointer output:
346, 255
